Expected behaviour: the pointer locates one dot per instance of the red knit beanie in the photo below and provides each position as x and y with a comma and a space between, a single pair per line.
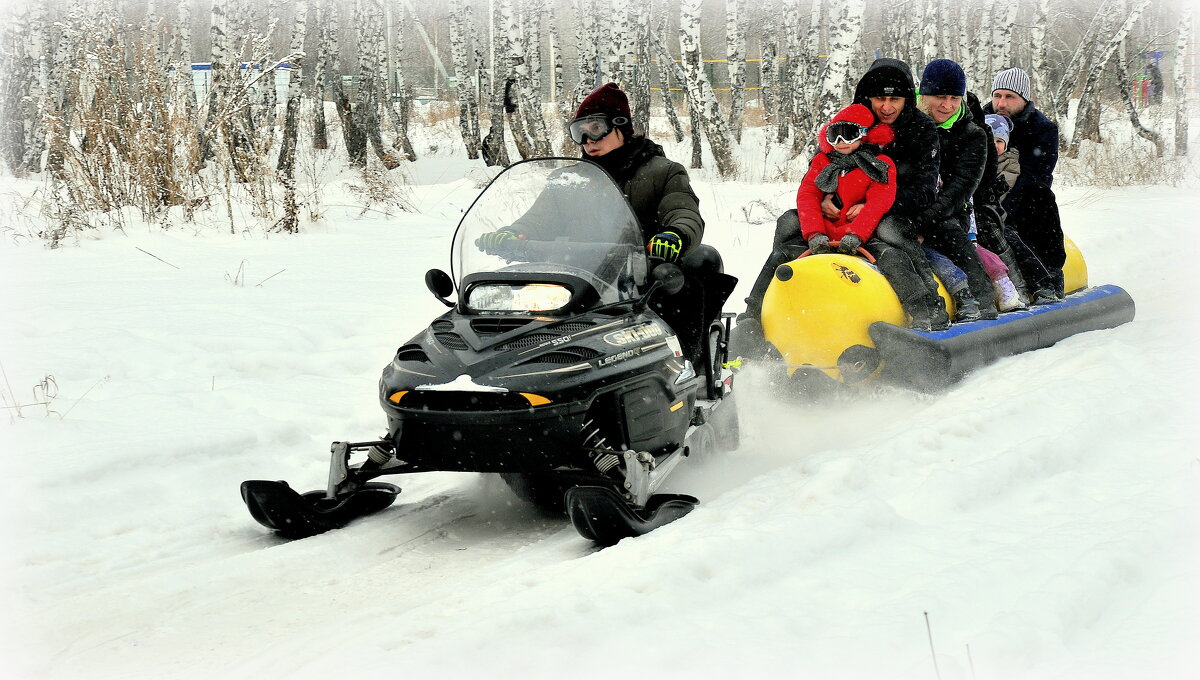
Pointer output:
879, 135
611, 101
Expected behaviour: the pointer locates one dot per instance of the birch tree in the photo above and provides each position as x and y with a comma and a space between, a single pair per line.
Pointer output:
527, 58
844, 36
640, 85
325, 48
707, 107
1039, 47
1003, 20
1121, 83
494, 146
735, 49
38, 47
663, 66
586, 47
286, 166
767, 63
398, 99
1181, 82
464, 74
930, 49
1087, 125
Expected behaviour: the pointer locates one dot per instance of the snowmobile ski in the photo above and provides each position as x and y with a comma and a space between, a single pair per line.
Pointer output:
278, 506
600, 514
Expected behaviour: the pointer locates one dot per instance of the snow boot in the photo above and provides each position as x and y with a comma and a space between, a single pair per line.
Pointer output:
1045, 296
1007, 297
967, 307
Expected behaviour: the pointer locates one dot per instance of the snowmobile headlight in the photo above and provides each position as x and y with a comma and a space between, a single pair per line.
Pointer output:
397, 396
535, 399
518, 297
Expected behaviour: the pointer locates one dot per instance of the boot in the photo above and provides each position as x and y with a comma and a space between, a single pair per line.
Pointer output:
967, 307
1007, 297
927, 315
1045, 296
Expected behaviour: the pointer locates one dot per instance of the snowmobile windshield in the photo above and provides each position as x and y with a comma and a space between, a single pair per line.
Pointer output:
551, 217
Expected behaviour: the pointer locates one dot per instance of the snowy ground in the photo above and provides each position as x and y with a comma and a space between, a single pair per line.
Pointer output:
1043, 513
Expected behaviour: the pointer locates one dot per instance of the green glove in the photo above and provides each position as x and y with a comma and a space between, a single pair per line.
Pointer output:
490, 243
665, 245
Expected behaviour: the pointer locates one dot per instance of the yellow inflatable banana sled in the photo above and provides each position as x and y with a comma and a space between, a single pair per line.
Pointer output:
835, 319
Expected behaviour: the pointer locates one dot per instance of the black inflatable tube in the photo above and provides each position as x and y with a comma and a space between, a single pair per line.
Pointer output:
934, 361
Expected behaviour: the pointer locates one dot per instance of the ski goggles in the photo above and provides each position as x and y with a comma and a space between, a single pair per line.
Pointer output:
594, 127
844, 132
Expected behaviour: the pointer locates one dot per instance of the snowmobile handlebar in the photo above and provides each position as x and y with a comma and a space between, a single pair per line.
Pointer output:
861, 251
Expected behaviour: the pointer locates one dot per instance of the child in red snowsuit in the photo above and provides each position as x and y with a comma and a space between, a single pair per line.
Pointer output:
861, 179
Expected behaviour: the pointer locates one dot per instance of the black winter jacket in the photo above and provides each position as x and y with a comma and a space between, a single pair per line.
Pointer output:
1035, 137
915, 150
658, 189
964, 155
984, 192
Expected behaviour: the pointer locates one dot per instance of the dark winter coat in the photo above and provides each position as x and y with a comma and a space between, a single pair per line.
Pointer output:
658, 189
964, 154
915, 149
983, 192
852, 188
1035, 137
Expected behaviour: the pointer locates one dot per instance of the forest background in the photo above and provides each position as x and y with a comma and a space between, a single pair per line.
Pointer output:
172, 110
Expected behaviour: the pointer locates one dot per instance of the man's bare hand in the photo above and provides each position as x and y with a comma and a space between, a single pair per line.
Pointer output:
853, 211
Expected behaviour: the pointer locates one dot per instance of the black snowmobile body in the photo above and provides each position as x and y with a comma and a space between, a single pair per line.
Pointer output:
550, 368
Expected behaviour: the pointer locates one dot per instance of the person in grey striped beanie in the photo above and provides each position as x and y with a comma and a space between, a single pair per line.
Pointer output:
1030, 205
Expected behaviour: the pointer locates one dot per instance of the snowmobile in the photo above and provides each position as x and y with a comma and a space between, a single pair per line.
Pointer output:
551, 368
834, 323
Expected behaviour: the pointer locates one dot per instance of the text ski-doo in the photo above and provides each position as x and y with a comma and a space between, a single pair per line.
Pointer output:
551, 368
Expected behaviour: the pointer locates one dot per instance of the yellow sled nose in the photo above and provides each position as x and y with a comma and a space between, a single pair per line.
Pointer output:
818, 306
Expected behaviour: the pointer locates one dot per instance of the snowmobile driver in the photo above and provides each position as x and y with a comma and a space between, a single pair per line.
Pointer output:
667, 210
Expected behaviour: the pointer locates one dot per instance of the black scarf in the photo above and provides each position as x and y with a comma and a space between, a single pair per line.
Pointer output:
623, 161
862, 159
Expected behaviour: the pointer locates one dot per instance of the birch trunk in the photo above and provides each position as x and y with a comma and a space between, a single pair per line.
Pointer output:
664, 63
1060, 96
513, 56
371, 63
844, 36
1037, 40
641, 68
398, 99
14, 90
494, 146
1122, 84
707, 107
528, 60
767, 63
1003, 20
1181, 83
1089, 124
460, 51
39, 49
929, 33
586, 40
735, 48
325, 48
789, 40
290, 222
